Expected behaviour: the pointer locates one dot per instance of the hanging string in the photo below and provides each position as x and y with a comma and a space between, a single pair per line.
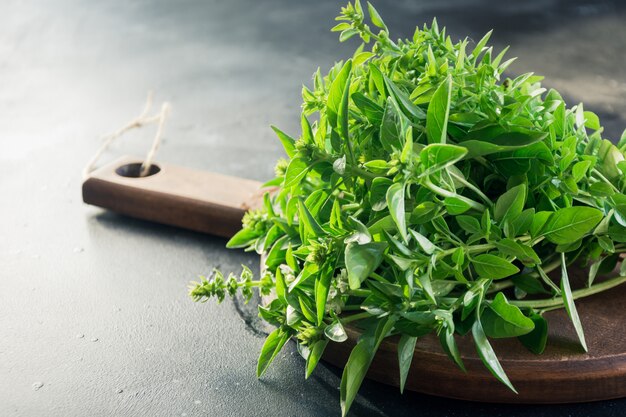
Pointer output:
139, 121
145, 166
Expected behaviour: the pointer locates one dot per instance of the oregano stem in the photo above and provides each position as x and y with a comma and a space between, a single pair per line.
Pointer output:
355, 317
472, 187
604, 179
582, 293
445, 193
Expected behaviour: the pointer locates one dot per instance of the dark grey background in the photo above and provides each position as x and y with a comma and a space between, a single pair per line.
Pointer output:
71, 71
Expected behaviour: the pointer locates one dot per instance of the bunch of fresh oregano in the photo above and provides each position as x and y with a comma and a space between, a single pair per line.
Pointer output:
426, 194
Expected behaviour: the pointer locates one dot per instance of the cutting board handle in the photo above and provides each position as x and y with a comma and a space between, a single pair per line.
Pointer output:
192, 199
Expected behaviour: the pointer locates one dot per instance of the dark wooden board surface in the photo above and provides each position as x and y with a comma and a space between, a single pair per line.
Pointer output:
564, 373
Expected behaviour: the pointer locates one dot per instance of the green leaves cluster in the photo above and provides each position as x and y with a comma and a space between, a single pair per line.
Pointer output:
426, 193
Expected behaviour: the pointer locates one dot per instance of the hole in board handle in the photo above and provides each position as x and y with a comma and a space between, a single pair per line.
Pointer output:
132, 170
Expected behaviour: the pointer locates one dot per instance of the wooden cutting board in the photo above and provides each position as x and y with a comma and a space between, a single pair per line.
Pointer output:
213, 203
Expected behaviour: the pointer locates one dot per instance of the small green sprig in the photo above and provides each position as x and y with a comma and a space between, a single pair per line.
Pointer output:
428, 193
219, 287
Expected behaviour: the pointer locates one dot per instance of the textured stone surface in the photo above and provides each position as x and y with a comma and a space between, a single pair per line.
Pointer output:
94, 317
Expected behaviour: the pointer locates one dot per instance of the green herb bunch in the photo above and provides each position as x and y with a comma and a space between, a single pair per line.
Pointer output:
426, 193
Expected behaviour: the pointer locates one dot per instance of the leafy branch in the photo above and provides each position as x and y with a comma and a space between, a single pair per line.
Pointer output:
426, 194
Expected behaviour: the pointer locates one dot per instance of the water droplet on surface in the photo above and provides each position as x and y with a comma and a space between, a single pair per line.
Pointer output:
95, 339
78, 249
119, 391
37, 385
80, 336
